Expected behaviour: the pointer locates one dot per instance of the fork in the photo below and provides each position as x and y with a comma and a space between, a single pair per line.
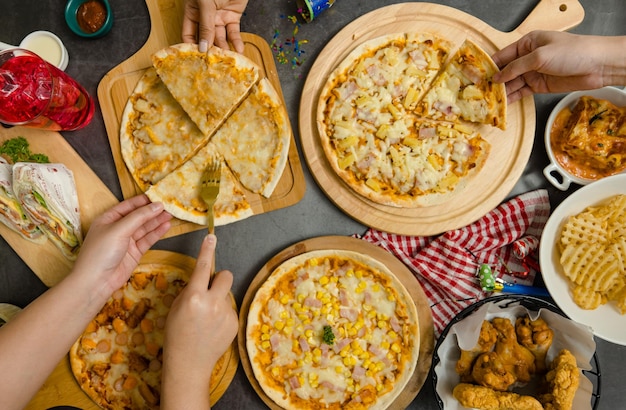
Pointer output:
210, 188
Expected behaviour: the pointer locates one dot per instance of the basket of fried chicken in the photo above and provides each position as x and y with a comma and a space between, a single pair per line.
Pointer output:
515, 352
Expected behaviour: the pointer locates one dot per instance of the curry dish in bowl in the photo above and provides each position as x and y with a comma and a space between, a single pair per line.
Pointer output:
586, 137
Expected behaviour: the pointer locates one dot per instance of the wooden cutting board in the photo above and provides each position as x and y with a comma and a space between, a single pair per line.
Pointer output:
426, 329
510, 149
62, 389
46, 260
117, 85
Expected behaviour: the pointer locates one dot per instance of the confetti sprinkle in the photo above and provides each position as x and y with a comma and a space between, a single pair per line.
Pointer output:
288, 49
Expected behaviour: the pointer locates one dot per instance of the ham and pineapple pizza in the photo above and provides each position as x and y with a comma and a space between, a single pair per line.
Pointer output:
385, 131
465, 90
332, 329
192, 106
117, 360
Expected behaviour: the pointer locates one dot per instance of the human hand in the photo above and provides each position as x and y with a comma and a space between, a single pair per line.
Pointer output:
213, 21
200, 326
551, 62
118, 238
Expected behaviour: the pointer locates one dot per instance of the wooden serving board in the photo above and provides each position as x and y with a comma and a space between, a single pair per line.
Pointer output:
426, 329
510, 149
118, 84
46, 260
62, 389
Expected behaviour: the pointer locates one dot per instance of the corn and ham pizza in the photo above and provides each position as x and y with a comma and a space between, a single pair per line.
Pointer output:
384, 127
117, 360
189, 100
332, 329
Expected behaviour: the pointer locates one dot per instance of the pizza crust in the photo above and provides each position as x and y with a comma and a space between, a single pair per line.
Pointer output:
262, 309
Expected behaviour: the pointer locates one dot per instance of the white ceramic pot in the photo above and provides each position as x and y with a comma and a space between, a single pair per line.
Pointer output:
554, 172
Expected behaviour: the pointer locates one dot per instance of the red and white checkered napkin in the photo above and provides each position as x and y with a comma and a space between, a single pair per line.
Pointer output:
446, 265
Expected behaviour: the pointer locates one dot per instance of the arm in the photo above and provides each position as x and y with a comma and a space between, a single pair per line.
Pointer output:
209, 21
552, 62
200, 326
33, 343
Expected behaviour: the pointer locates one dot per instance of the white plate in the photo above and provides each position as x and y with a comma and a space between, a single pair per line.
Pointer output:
605, 321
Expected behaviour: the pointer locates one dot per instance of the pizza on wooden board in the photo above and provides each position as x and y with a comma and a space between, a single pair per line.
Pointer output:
385, 129
332, 329
117, 360
188, 100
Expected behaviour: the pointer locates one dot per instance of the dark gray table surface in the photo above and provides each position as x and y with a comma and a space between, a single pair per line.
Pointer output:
244, 247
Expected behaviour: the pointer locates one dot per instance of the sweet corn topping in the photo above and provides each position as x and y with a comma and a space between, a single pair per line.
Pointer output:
357, 306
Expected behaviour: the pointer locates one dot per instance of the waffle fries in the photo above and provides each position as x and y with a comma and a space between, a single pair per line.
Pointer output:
592, 245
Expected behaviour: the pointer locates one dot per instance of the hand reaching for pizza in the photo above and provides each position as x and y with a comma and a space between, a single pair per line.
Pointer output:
213, 21
118, 238
553, 61
200, 326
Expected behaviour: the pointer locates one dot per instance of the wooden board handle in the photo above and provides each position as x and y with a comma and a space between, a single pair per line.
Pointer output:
550, 15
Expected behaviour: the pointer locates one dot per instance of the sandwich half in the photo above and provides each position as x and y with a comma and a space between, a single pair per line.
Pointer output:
47, 193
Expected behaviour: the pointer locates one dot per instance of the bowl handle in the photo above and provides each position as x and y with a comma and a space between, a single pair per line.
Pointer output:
548, 173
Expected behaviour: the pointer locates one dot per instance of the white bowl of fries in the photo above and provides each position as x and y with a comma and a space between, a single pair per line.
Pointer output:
606, 320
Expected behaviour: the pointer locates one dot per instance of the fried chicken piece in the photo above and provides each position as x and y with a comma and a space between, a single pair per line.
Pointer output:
562, 380
490, 371
486, 341
517, 359
536, 336
484, 398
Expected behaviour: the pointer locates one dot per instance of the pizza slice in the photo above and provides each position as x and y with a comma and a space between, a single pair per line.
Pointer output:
209, 86
156, 135
180, 192
465, 90
254, 140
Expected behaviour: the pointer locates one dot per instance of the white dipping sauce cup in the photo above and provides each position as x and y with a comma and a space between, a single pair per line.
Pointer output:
48, 46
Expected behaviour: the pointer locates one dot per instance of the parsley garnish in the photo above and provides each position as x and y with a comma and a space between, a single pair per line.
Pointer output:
17, 150
328, 337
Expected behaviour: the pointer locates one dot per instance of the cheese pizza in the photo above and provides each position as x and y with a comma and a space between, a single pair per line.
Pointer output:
192, 106
117, 360
384, 130
332, 329
156, 134
180, 192
208, 86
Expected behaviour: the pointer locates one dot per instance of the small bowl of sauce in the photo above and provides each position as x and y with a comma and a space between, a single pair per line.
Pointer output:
89, 18
585, 137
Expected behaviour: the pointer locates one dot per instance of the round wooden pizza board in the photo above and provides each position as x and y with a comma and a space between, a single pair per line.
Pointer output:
510, 149
427, 340
61, 388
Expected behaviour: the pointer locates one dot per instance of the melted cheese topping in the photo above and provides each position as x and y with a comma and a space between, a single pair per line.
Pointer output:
377, 141
159, 135
180, 192
590, 140
218, 80
465, 90
373, 340
253, 140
